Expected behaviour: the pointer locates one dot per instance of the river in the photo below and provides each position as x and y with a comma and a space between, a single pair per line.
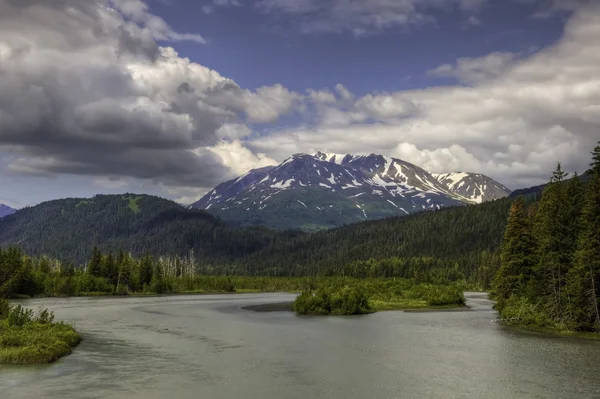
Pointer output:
209, 347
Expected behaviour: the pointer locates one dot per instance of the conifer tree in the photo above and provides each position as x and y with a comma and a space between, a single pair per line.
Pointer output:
517, 254
95, 263
551, 233
596, 159
146, 272
584, 281
109, 268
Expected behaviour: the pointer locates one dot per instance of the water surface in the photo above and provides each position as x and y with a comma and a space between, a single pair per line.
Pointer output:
209, 347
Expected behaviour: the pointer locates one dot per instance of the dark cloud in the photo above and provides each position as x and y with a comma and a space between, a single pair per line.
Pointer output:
85, 89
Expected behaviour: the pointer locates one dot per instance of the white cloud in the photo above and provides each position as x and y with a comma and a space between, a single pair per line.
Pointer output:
233, 131
343, 92
239, 158
321, 96
517, 119
363, 17
476, 70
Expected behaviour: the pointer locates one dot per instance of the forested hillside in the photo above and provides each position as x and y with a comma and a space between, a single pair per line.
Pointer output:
451, 244
68, 229
456, 242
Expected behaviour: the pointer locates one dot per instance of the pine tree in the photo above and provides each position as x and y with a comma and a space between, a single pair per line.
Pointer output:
95, 263
552, 234
596, 159
517, 254
584, 281
146, 267
109, 268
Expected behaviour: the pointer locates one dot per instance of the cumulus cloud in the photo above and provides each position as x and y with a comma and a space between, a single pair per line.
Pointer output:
515, 120
239, 158
363, 16
476, 70
86, 89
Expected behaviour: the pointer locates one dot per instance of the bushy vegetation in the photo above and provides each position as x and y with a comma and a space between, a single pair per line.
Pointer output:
27, 338
550, 258
343, 301
358, 296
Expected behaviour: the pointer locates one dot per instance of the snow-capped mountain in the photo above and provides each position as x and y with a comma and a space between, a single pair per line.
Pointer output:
475, 187
327, 190
6, 210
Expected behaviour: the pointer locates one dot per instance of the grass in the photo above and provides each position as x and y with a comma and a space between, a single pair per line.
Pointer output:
133, 203
83, 202
409, 304
36, 343
554, 331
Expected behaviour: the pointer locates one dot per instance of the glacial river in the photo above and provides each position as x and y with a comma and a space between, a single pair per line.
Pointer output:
209, 347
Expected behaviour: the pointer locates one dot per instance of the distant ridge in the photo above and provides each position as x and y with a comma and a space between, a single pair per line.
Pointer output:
6, 210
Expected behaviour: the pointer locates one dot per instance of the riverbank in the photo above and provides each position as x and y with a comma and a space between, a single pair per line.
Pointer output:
288, 307
553, 332
36, 343
26, 338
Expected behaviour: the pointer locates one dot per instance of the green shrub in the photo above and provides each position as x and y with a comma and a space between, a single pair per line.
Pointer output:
341, 301
520, 310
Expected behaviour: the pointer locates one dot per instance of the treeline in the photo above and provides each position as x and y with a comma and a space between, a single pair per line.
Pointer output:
466, 238
550, 256
122, 274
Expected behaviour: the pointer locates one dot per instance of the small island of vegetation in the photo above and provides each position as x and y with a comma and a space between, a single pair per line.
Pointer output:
28, 338
370, 295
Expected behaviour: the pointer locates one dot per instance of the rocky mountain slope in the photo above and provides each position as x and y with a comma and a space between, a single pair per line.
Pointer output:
327, 190
474, 187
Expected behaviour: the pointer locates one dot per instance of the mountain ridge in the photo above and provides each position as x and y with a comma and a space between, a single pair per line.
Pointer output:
6, 210
327, 190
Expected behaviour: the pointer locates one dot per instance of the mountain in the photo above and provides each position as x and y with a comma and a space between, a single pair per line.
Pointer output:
457, 239
451, 240
6, 210
325, 190
69, 228
475, 187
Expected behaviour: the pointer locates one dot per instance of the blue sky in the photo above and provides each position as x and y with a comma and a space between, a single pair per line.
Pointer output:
259, 48
505, 88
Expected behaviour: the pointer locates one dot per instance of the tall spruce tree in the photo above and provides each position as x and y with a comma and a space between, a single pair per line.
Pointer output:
146, 270
109, 268
95, 263
551, 232
517, 254
584, 280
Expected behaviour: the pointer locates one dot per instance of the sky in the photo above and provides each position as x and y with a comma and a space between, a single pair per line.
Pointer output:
172, 97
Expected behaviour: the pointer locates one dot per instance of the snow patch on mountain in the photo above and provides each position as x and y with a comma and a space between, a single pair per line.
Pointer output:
386, 186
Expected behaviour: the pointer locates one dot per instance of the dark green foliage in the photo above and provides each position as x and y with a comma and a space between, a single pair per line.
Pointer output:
584, 280
343, 301
26, 337
95, 264
68, 229
517, 254
457, 243
561, 288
